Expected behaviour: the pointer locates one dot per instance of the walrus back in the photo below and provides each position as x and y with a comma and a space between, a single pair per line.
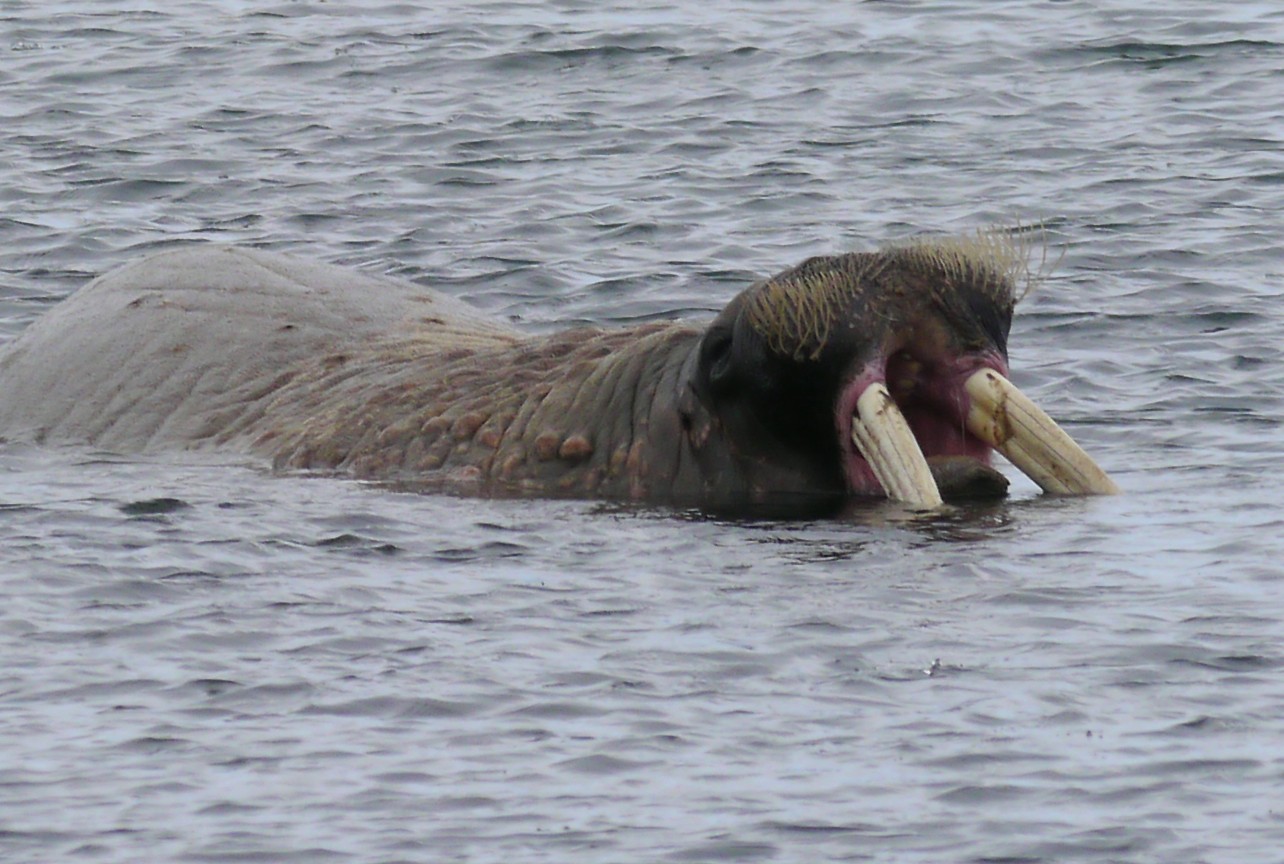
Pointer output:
169, 349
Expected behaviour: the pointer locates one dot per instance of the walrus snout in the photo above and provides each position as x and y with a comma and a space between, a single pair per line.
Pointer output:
918, 436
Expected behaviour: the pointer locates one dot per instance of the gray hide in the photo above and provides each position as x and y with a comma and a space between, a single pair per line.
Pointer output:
160, 352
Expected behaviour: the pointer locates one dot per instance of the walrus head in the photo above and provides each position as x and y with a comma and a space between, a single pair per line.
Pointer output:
878, 372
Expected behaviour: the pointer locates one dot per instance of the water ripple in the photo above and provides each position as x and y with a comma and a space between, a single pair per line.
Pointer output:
286, 668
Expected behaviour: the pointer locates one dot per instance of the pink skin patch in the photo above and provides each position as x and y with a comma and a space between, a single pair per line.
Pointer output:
930, 393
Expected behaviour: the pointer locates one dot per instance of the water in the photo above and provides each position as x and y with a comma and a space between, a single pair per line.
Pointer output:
202, 662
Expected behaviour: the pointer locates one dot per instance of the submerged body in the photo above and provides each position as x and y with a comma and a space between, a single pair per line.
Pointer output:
862, 374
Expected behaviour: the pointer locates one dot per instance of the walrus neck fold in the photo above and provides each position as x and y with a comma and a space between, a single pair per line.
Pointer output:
578, 414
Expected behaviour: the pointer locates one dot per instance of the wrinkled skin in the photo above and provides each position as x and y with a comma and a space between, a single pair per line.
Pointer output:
317, 368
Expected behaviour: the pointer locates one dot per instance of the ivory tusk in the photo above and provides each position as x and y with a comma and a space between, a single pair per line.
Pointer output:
1006, 419
881, 433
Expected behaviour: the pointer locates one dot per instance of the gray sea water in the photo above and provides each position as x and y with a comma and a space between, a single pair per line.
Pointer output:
204, 662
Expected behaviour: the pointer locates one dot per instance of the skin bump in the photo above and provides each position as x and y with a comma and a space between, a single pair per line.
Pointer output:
546, 446
576, 448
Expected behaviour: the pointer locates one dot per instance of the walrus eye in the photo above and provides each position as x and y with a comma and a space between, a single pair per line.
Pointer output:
717, 357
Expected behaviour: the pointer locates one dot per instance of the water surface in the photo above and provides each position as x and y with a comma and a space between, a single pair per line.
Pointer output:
203, 662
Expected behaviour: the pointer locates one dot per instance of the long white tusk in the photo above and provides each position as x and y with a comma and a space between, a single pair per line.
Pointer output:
1006, 419
882, 435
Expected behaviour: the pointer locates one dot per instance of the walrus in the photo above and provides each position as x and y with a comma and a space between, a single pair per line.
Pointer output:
863, 374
